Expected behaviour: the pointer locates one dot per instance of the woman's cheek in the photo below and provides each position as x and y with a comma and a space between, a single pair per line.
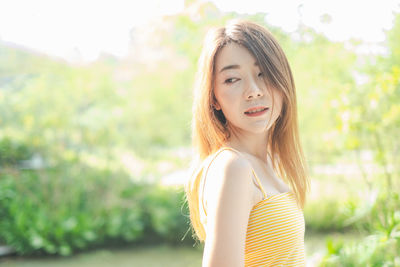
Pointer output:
229, 97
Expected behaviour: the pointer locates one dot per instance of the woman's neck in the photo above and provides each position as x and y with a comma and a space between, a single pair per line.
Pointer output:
256, 149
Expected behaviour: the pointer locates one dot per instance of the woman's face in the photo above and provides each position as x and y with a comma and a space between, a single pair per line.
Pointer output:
239, 87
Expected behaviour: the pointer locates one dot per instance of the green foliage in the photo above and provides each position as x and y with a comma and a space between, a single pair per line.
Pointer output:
351, 213
381, 223
370, 119
374, 250
326, 215
383, 216
369, 113
69, 208
167, 220
322, 69
11, 152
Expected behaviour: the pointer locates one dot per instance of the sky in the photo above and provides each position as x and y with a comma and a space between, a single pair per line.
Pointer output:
61, 27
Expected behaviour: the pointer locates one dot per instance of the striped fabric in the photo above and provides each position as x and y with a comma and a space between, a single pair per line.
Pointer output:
275, 231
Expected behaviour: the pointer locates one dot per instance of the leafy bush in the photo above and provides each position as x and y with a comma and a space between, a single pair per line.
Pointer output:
326, 215
384, 216
381, 247
11, 152
71, 207
374, 250
168, 221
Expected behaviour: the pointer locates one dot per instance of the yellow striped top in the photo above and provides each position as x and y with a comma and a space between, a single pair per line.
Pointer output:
275, 230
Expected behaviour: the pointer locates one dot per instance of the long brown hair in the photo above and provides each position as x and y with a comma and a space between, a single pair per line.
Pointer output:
209, 128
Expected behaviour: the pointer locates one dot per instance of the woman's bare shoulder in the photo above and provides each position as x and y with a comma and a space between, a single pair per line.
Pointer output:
229, 174
227, 161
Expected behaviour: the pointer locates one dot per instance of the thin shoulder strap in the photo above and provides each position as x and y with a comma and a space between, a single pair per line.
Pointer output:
260, 185
209, 164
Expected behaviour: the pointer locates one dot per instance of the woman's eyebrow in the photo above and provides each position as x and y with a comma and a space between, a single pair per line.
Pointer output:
235, 66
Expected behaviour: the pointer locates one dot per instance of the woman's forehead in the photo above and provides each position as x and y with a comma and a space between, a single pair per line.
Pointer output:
234, 56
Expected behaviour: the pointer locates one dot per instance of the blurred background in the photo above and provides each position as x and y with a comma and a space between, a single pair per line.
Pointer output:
95, 114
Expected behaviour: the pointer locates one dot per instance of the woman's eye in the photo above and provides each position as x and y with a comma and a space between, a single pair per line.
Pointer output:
230, 80
260, 74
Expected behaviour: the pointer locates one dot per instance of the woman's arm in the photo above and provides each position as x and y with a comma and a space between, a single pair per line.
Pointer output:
229, 196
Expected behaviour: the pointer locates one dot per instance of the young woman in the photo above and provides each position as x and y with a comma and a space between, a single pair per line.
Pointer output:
249, 183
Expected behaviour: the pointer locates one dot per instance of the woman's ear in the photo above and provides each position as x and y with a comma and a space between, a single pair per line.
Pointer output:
215, 104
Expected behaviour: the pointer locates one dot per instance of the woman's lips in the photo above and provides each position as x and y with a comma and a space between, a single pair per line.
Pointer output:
255, 108
255, 114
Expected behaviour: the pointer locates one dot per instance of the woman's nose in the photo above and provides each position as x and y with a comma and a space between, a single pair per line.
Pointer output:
254, 90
